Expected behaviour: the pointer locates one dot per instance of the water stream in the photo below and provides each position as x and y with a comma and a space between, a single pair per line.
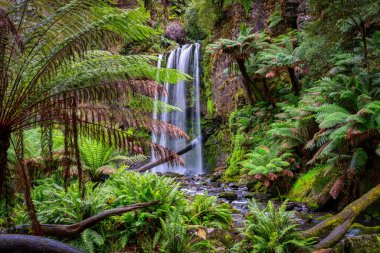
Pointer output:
185, 95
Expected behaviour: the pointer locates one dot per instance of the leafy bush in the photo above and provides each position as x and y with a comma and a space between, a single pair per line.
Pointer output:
267, 163
176, 239
205, 211
269, 230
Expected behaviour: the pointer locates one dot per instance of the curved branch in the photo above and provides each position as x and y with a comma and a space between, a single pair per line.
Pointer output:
153, 164
66, 231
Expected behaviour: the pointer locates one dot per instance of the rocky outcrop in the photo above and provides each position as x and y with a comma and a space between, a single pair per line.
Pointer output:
228, 94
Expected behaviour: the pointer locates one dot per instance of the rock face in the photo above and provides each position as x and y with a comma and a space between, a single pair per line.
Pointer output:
175, 31
363, 243
228, 95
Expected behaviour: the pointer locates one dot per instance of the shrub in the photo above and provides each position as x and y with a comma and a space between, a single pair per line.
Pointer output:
269, 230
205, 211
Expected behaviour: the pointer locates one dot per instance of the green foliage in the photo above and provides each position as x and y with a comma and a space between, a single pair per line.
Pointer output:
249, 126
275, 17
205, 211
201, 16
99, 158
264, 160
165, 225
271, 230
245, 44
55, 70
308, 186
176, 239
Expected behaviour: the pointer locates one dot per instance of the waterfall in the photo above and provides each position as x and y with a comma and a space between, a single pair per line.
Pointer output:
186, 96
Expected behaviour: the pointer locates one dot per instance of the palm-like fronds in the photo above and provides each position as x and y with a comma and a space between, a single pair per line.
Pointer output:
98, 158
51, 72
242, 47
263, 160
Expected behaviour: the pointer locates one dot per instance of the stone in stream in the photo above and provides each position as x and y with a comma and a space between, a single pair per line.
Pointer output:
229, 195
257, 195
362, 243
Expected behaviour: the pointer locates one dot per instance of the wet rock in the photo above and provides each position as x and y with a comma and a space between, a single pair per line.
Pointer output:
216, 176
363, 243
229, 195
239, 219
234, 185
257, 195
296, 206
171, 174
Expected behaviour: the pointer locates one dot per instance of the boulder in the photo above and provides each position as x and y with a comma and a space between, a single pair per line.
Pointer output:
175, 31
229, 195
362, 243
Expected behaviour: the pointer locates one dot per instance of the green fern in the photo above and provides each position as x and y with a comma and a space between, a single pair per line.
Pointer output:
205, 211
263, 160
273, 230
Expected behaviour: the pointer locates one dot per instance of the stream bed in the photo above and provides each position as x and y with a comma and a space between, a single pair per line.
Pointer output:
238, 196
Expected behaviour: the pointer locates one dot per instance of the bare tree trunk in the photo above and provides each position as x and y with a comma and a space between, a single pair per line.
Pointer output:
33, 244
295, 83
68, 231
340, 223
4, 146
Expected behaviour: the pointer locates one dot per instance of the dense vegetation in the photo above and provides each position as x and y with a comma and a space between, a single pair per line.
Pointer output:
79, 84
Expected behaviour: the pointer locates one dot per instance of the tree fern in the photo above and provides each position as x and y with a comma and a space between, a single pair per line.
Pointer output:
51, 73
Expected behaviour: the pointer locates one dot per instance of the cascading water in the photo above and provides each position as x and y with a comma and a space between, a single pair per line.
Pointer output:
186, 96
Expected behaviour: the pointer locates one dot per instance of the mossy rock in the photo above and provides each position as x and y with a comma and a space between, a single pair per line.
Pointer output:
362, 243
304, 190
229, 195
364, 230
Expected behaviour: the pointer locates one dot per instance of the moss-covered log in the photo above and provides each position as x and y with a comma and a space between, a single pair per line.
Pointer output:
33, 244
340, 223
67, 231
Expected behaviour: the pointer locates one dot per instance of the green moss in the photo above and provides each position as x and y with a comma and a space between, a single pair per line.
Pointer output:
207, 80
237, 155
218, 143
366, 230
325, 217
304, 188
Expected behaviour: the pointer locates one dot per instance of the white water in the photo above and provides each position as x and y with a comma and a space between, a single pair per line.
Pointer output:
185, 59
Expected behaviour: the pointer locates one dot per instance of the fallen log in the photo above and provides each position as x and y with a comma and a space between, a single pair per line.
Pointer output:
153, 164
69, 231
33, 244
341, 222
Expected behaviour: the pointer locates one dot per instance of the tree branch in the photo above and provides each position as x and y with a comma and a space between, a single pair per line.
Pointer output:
341, 222
153, 164
66, 231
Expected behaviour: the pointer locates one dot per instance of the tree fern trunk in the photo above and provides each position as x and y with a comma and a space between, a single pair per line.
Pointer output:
4, 145
295, 83
252, 89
